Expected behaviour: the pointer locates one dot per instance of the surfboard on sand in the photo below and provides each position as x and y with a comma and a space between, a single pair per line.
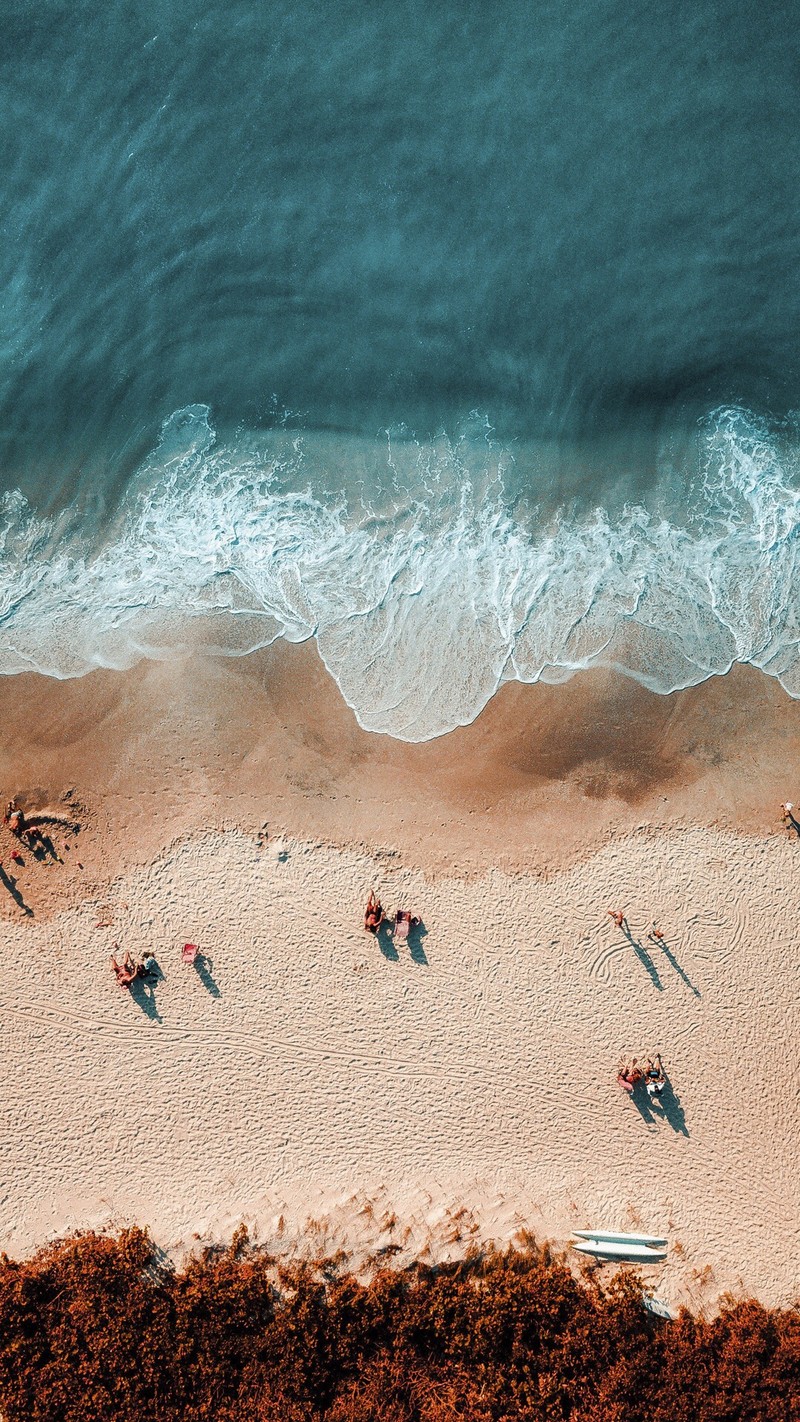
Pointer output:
656, 1240
604, 1249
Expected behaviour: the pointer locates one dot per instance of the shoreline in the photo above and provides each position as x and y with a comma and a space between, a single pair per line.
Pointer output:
465, 1084
545, 774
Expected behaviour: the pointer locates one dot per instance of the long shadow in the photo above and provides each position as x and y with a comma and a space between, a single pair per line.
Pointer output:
142, 993
10, 883
641, 1101
49, 848
203, 968
416, 933
670, 1105
386, 944
673, 962
645, 959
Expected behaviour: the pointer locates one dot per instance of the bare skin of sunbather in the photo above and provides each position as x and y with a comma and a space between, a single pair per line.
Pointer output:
373, 914
632, 1074
126, 971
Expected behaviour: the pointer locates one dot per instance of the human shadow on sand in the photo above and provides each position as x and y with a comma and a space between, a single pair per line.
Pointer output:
386, 943
10, 883
389, 943
668, 1104
143, 995
416, 933
673, 962
644, 958
203, 966
666, 1107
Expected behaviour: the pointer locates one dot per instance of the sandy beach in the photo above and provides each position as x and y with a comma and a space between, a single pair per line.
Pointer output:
338, 1091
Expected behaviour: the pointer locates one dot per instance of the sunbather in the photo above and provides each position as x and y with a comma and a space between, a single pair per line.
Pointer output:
403, 920
632, 1074
373, 913
126, 971
655, 1079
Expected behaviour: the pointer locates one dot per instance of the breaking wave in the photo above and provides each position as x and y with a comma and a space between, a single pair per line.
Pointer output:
421, 603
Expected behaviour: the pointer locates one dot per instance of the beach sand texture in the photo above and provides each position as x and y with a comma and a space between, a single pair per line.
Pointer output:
306, 1071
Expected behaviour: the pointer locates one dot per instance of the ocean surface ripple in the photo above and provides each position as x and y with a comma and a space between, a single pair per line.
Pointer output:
423, 606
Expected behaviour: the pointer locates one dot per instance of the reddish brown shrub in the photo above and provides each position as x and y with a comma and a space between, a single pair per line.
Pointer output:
95, 1330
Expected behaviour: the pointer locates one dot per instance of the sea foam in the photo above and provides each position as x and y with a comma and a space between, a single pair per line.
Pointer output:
423, 606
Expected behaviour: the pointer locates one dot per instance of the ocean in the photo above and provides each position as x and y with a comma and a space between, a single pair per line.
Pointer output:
463, 339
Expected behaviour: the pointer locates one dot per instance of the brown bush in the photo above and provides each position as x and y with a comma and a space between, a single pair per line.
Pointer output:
95, 1328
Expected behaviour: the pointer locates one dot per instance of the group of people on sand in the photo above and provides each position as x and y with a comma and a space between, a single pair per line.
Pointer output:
654, 933
631, 1074
374, 918
652, 1074
128, 971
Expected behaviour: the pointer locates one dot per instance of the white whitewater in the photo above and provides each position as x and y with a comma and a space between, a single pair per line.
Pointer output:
419, 613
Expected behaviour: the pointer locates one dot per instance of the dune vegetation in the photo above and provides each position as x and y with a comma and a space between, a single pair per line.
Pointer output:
98, 1327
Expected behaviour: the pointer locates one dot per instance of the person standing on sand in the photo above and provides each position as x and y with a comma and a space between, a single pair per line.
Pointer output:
655, 933
618, 917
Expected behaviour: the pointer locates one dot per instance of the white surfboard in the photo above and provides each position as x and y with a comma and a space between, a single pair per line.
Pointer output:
604, 1249
656, 1240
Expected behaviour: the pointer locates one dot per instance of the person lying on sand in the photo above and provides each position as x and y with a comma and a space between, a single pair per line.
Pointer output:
403, 921
655, 1079
126, 971
373, 913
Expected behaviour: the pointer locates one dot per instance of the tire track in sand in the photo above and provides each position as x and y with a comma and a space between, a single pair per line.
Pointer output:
61, 1019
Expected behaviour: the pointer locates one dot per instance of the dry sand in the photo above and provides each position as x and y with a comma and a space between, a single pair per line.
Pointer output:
420, 1098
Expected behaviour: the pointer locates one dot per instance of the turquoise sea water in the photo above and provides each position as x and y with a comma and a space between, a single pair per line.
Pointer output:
464, 340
